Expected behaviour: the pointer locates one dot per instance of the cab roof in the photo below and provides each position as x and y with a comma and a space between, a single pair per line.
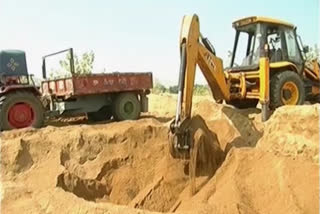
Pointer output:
255, 19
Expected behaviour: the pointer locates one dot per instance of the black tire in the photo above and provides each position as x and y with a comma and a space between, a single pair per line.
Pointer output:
278, 93
8, 101
126, 107
105, 113
243, 104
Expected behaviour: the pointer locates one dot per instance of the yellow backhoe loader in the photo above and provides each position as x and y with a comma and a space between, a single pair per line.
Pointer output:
272, 71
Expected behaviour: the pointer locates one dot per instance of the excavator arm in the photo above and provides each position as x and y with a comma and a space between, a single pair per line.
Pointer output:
194, 50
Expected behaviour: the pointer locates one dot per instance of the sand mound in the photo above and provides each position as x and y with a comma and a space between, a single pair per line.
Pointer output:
254, 181
293, 131
233, 127
122, 167
270, 178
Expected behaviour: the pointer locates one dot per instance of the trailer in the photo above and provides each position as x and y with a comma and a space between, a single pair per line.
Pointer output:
121, 96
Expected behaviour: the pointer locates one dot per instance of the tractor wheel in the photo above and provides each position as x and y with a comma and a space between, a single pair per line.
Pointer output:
103, 114
20, 110
286, 88
243, 104
126, 107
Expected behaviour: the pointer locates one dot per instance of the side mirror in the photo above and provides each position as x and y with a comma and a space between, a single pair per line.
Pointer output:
306, 49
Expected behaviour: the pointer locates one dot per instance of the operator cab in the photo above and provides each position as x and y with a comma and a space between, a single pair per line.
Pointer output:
13, 68
253, 33
13, 63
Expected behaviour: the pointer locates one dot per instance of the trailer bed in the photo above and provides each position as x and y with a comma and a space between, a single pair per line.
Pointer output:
97, 84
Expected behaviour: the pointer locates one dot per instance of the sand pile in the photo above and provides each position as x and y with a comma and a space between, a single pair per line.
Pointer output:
125, 167
280, 175
293, 131
235, 128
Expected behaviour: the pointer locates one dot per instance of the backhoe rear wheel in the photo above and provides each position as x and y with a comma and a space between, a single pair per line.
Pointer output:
20, 110
126, 107
286, 88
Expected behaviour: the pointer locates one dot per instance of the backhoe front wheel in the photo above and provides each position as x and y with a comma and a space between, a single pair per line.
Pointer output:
20, 110
126, 107
286, 88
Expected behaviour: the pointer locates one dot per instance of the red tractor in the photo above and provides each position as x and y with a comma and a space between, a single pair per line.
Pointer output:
20, 104
121, 96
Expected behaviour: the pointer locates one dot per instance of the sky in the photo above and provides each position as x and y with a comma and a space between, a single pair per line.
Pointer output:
140, 35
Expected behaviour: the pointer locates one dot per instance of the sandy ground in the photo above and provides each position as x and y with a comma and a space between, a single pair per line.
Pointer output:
72, 166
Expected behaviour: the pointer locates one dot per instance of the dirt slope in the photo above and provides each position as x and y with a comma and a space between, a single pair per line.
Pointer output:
110, 163
279, 175
269, 168
293, 131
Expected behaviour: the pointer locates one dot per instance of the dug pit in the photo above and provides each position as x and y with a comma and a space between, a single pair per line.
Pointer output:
126, 163
91, 168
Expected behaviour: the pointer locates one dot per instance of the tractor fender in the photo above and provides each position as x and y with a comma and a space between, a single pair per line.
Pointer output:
12, 88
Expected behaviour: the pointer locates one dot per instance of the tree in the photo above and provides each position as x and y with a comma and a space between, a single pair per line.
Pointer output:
201, 90
173, 89
314, 53
82, 65
158, 88
198, 89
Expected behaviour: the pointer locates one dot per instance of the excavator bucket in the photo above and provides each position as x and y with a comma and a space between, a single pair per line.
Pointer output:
204, 155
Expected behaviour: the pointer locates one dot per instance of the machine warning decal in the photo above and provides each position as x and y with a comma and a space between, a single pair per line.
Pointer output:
12, 64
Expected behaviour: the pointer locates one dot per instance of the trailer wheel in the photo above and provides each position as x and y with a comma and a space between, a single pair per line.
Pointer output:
286, 88
126, 107
243, 104
20, 110
104, 113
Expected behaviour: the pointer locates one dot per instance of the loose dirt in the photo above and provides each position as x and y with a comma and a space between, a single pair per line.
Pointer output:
125, 167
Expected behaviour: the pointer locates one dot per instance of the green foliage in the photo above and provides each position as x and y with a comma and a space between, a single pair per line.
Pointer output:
158, 88
198, 89
314, 53
173, 89
201, 90
83, 65
53, 73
